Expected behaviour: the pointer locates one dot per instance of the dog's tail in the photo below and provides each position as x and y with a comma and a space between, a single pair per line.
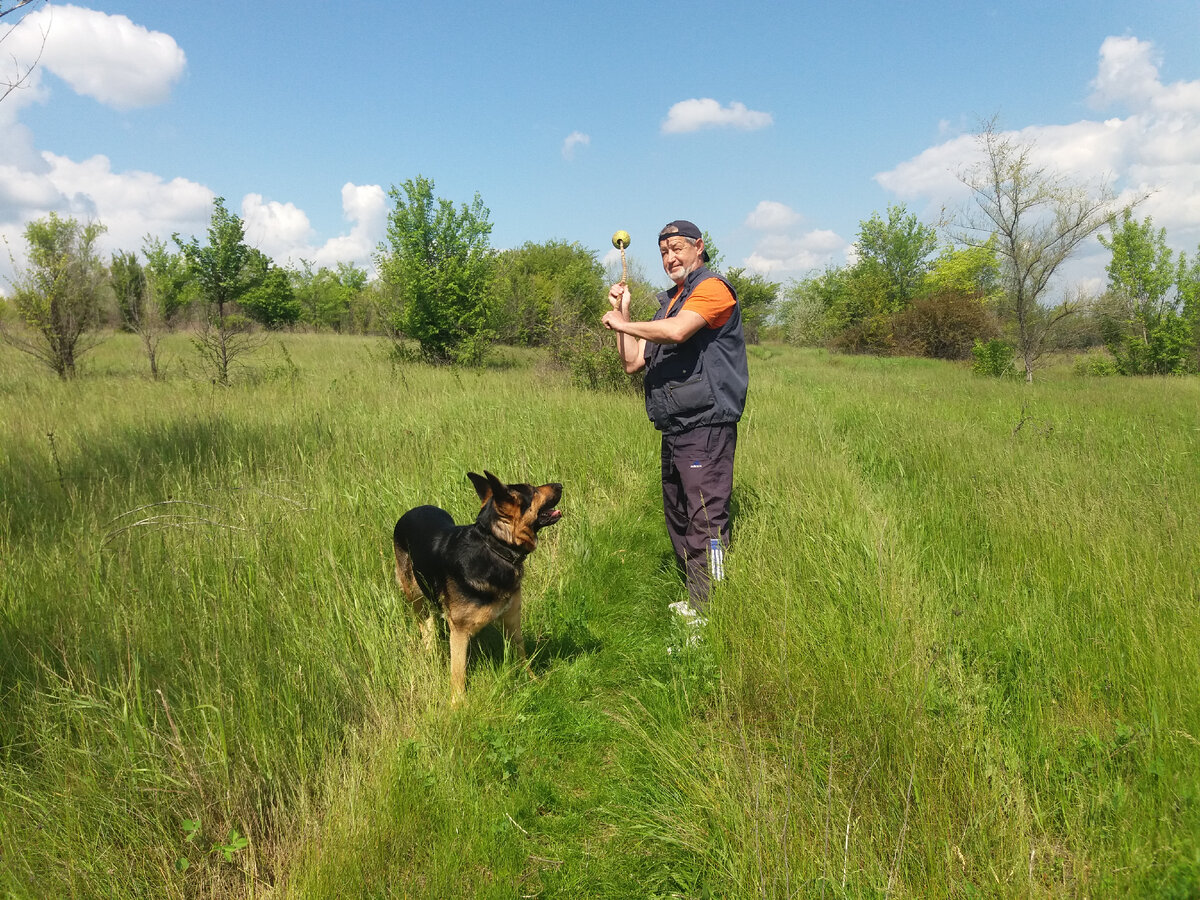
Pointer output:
404, 571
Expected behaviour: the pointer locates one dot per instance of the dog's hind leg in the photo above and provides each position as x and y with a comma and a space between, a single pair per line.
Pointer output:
407, 579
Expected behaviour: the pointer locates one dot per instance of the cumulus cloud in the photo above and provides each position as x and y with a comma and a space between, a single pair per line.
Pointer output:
284, 233
785, 254
124, 65
696, 114
771, 216
573, 140
1128, 70
782, 249
129, 204
105, 57
1154, 146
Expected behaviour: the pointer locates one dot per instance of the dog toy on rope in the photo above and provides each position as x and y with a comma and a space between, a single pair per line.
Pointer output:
620, 240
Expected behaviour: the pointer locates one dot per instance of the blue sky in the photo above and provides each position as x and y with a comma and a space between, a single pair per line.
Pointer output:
776, 127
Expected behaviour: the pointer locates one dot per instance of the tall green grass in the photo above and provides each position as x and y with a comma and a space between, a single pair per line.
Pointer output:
957, 653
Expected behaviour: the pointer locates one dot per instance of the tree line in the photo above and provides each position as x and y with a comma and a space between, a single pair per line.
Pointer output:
444, 295
982, 293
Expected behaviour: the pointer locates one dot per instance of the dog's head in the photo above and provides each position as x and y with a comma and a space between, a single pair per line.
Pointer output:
517, 511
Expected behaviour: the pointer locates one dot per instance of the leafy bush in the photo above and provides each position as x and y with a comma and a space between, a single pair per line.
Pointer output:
57, 295
995, 359
945, 325
1166, 347
756, 297
538, 289
870, 335
593, 362
1096, 365
272, 303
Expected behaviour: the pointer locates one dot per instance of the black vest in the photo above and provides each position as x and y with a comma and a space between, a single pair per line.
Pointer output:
702, 381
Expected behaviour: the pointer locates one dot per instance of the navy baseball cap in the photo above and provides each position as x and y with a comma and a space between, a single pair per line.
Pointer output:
683, 228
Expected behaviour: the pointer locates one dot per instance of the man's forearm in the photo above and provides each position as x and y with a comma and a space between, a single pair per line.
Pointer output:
674, 330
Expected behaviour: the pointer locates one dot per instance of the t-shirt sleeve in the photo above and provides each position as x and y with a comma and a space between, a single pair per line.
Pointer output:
712, 301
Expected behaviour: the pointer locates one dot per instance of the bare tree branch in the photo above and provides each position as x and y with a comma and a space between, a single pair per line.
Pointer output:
1037, 218
21, 71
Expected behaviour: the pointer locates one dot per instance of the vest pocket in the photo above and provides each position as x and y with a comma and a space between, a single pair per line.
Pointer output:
689, 396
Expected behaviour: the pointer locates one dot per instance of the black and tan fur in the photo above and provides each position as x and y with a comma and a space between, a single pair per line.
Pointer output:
472, 573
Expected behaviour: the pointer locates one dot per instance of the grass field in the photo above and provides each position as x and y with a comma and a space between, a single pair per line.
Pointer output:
957, 653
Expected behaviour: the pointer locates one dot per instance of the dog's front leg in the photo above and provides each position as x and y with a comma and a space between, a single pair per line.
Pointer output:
460, 638
510, 622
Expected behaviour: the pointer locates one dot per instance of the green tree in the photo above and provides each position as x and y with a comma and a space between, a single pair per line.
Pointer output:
1188, 283
1146, 323
437, 272
715, 257
57, 294
901, 248
1035, 219
271, 302
224, 269
168, 278
130, 287
756, 296
803, 311
541, 291
968, 271
326, 296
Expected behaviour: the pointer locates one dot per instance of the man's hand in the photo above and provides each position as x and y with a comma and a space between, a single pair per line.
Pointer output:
618, 297
615, 318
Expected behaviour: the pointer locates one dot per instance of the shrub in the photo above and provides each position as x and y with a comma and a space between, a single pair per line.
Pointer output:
1166, 348
272, 303
945, 325
57, 295
1096, 365
871, 335
995, 359
589, 355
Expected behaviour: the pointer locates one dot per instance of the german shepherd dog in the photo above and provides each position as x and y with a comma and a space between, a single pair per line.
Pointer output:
472, 573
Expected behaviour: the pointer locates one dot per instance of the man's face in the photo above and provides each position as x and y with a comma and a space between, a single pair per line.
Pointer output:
679, 257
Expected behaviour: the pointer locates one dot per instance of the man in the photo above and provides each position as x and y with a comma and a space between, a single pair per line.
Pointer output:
694, 356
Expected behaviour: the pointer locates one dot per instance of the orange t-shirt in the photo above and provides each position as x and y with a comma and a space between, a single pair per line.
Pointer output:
711, 300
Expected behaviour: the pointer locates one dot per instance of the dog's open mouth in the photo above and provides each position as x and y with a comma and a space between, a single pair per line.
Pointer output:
548, 517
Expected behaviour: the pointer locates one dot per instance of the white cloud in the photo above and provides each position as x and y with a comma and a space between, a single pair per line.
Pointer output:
772, 216
121, 65
695, 114
124, 65
275, 228
1154, 147
782, 250
129, 204
105, 57
1128, 70
573, 140
784, 254
284, 233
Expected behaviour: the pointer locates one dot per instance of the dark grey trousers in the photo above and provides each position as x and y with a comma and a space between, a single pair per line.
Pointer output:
697, 482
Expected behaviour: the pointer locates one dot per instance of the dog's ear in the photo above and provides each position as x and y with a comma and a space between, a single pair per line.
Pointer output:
499, 491
482, 487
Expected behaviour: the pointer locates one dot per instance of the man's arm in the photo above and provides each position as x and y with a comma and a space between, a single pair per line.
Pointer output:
674, 330
632, 336
631, 351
